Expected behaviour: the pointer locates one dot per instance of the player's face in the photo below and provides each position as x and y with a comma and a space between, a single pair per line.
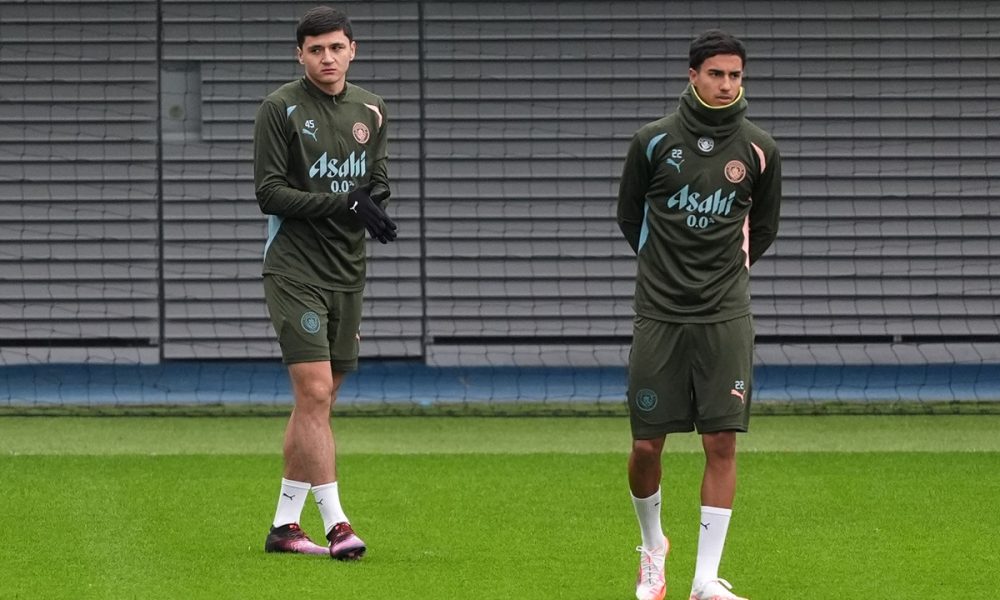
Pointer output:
326, 59
719, 79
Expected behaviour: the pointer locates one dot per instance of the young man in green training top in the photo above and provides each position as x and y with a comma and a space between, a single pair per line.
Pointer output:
698, 203
320, 170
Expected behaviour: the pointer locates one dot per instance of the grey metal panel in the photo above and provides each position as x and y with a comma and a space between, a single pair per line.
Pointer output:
77, 175
883, 111
877, 327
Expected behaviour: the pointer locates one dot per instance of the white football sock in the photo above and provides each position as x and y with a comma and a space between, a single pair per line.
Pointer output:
711, 539
327, 499
648, 512
290, 502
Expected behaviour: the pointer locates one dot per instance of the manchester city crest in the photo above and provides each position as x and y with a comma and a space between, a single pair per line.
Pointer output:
705, 144
310, 322
735, 171
645, 399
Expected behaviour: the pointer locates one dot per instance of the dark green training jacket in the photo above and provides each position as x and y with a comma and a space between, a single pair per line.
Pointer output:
310, 150
699, 203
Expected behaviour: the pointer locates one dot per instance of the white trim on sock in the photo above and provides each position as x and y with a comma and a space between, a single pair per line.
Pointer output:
291, 499
327, 497
711, 540
647, 510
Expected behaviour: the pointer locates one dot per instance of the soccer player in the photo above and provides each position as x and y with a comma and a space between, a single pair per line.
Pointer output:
320, 171
698, 203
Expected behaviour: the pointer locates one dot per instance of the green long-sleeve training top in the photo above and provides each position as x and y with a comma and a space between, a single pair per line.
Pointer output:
699, 203
311, 150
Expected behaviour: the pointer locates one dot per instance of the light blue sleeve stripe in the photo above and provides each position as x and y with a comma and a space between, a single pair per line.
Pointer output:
290, 110
273, 225
652, 145
644, 232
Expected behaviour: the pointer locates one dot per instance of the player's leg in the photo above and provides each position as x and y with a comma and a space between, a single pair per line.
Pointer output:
718, 484
310, 450
644, 472
659, 403
299, 318
723, 378
308, 446
343, 340
718, 488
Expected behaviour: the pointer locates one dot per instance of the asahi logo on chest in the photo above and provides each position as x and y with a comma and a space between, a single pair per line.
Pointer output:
714, 203
352, 166
702, 209
341, 170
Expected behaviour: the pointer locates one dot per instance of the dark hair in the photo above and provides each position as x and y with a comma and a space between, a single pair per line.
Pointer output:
712, 43
320, 20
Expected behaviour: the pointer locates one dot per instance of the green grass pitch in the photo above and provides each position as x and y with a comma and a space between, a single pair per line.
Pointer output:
851, 507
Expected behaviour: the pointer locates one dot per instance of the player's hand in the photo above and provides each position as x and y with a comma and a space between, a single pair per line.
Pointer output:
378, 224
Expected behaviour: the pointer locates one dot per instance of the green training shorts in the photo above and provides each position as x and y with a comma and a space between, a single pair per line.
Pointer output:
687, 376
313, 323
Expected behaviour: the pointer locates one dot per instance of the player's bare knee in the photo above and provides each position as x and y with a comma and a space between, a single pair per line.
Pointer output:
720, 447
647, 451
317, 395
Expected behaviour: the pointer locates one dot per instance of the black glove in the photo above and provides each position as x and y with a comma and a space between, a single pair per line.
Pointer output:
378, 224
